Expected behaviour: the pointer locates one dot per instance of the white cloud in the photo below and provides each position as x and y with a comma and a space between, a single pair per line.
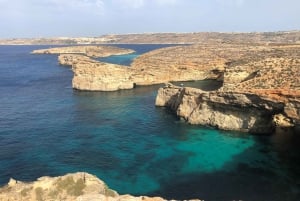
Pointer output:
236, 3
166, 2
137, 4
125, 4
89, 6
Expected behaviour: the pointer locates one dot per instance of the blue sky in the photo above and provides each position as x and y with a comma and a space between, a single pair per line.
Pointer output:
52, 18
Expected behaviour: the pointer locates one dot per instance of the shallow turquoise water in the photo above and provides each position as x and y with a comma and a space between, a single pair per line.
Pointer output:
46, 128
120, 59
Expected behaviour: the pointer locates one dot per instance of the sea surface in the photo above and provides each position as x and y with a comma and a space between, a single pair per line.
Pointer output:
47, 128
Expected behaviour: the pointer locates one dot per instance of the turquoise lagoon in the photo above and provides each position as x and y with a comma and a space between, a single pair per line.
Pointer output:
47, 128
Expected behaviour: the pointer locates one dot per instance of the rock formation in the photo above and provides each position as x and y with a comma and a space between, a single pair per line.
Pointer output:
71, 187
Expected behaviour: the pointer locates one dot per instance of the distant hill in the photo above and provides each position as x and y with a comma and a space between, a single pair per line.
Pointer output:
282, 37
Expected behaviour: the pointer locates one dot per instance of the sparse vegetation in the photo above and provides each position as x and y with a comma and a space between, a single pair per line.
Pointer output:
39, 194
25, 191
70, 186
109, 192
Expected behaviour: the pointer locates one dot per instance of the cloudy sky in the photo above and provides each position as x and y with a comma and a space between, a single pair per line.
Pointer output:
52, 18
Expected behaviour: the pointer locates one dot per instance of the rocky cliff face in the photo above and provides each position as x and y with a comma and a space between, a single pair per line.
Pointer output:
71, 187
233, 110
224, 110
97, 76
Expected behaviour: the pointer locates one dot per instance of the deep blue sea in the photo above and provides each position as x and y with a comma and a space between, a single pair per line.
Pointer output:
47, 128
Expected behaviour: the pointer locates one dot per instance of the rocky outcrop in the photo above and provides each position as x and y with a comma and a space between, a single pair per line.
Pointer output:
238, 111
97, 76
71, 187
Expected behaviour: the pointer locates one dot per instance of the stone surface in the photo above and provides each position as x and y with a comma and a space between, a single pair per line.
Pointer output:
79, 186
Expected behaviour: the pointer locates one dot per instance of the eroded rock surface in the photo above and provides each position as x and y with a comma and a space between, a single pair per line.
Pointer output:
71, 187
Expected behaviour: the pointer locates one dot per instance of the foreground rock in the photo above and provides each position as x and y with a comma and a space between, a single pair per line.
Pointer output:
71, 187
